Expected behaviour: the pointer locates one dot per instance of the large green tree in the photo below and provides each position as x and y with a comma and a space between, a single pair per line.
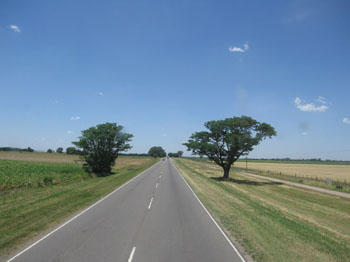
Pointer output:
227, 140
156, 151
101, 145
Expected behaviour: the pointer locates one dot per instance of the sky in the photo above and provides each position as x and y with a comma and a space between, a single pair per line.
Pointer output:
163, 68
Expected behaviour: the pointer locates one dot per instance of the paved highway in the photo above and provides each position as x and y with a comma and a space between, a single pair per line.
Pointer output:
154, 218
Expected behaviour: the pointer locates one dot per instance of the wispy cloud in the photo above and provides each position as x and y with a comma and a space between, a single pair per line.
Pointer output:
304, 133
164, 135
100, 93
75, 118
69, 132
346, 120
321, 100
15, 28
311, 107
239, 49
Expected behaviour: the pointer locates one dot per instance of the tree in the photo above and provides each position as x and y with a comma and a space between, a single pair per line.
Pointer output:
156, 151
71, 150
29, 149
49, 150
59, 150
101, 145
229, 139
180, 153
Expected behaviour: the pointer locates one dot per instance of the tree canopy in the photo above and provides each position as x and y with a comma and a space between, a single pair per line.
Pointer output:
227, 140
59, 150
101, 146
156, 151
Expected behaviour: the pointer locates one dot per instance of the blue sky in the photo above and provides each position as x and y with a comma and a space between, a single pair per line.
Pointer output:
163, 68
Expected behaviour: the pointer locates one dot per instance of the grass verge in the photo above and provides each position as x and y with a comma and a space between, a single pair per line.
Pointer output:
25, 212
334, 185
273, 222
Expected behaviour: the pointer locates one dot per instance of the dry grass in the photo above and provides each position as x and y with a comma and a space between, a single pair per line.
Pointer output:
38, 156
121, 162
273, 222
336, 172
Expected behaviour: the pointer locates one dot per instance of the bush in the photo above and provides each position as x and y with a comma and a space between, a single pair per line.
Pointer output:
59, 150
71, 150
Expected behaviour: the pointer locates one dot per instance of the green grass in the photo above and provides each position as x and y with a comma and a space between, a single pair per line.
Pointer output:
273, 222
27, 211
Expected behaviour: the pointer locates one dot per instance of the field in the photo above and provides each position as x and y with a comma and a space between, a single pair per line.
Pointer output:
273, 222
335, 172
37, 195
38, 156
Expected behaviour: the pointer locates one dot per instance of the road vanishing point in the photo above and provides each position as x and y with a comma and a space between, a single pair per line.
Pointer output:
155, 217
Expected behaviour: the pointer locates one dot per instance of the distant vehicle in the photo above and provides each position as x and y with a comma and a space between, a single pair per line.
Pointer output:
163, 158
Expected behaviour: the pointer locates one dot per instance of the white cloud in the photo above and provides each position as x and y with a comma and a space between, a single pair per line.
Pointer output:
15, 28
100, 93
163, 134
75, 118
311, 107
304, 133
69, 132
346, 120
239, 49
321, 100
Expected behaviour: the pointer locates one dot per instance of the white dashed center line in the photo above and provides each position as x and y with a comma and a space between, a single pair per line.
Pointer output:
150, 204
157, 185
132, 254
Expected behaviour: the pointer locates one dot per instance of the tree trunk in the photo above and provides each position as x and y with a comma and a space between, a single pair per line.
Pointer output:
226, 172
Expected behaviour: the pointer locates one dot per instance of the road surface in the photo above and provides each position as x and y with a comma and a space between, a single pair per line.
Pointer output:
154, 218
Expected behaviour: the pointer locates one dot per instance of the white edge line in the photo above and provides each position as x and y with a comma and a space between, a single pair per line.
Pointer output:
157, 185
132, 254
150, 203
76, 216
232, 245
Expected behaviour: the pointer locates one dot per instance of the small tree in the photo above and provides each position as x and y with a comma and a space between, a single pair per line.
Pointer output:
59, 150
49, 150
71, 150
101, 146
156, 151
229, 139
180, 153
29, 149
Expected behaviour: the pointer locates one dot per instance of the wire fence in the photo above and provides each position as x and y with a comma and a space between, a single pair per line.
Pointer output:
300, 177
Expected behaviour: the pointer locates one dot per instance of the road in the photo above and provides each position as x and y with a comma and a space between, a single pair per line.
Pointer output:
154, 218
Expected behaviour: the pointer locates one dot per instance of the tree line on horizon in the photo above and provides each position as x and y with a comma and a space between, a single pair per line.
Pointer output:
223, 142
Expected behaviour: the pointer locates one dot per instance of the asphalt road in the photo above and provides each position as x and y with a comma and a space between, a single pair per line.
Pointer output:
154, 218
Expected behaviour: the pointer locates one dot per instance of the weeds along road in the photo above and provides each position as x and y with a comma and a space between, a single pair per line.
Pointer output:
153, 218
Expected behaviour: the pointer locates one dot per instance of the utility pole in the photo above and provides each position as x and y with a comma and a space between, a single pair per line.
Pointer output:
246, 162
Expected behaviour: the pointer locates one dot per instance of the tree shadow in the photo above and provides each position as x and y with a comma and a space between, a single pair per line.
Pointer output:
246, 182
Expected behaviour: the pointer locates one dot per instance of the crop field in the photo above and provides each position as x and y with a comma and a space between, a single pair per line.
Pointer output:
272, 221
17, 173
35, 196
38, 156
335, 172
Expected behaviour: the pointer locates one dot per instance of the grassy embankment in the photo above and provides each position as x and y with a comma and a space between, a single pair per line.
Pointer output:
300, 172
35, 196
273, 222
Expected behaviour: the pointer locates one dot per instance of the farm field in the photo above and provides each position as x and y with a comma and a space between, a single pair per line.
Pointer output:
335, 172
45, 193
273, 222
